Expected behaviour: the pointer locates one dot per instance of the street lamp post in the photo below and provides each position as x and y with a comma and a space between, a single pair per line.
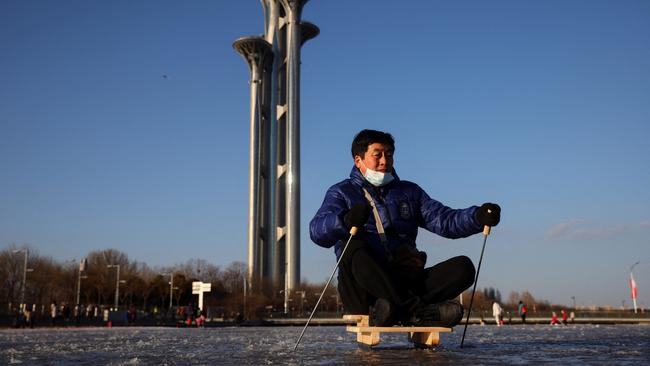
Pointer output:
302, 300
117, 283
25, 270
82, 268
337, 302
633, 285
171, 288
574, 302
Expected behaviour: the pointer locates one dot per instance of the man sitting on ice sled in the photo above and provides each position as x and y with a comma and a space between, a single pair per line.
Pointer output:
382, 273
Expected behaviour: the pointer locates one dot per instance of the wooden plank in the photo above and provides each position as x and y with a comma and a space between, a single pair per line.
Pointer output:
367, 335
352, 328
428, 339
356, 318
369, 338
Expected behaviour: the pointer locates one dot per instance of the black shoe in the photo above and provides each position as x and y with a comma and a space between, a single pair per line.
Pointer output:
443, 314
382, 314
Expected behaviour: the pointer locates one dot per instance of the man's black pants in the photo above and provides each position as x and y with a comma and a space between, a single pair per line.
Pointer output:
362, 281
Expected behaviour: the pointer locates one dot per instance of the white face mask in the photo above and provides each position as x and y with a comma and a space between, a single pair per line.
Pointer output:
376, 178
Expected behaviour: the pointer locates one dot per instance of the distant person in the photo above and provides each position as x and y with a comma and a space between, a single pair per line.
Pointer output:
382, 273
572, 317
200, 320
189, 315
565, 317
554, 319
497, 312
53, 312
66, 312
29, 317
18, 319
132, 314
521, 309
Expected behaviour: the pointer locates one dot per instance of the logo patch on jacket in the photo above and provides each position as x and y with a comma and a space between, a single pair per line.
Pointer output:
404, 210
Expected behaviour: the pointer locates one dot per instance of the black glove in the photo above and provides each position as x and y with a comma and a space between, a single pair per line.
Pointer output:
357, 216
489, 214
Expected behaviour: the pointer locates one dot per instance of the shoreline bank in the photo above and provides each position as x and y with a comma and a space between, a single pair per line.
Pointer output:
299, 322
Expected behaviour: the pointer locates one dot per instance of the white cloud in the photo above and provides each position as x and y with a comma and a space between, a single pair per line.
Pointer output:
582, 229
564, 229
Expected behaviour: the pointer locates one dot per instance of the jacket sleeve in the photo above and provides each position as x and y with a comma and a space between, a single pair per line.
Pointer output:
447, 222
327, 227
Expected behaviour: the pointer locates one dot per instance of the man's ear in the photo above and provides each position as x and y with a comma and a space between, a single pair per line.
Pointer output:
357, 161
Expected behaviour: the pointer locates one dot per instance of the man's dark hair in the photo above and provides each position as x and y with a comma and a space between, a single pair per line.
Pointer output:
366, 138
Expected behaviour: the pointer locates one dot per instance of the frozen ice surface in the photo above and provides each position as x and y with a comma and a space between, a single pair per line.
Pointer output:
487, 345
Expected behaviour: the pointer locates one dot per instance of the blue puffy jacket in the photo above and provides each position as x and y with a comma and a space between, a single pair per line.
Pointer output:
403, 207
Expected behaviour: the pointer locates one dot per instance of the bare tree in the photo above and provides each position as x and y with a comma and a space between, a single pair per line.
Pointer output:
46, 284
10, 275
513, 298
100, 276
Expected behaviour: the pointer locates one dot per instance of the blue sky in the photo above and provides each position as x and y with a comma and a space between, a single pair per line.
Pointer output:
542, 107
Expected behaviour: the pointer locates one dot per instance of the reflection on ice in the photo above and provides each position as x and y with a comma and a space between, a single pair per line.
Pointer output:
626, 344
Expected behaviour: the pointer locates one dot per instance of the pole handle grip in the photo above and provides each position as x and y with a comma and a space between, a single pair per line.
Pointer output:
354, 231
486, 229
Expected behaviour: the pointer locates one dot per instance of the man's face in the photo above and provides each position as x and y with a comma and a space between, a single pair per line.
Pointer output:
378, 157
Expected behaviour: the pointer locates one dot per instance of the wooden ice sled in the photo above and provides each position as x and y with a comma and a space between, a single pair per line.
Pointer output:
422, 337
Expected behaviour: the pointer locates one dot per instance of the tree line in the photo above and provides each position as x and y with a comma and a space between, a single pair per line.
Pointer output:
148, 288
144, 287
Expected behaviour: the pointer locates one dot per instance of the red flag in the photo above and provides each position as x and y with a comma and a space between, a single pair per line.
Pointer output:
633, 286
